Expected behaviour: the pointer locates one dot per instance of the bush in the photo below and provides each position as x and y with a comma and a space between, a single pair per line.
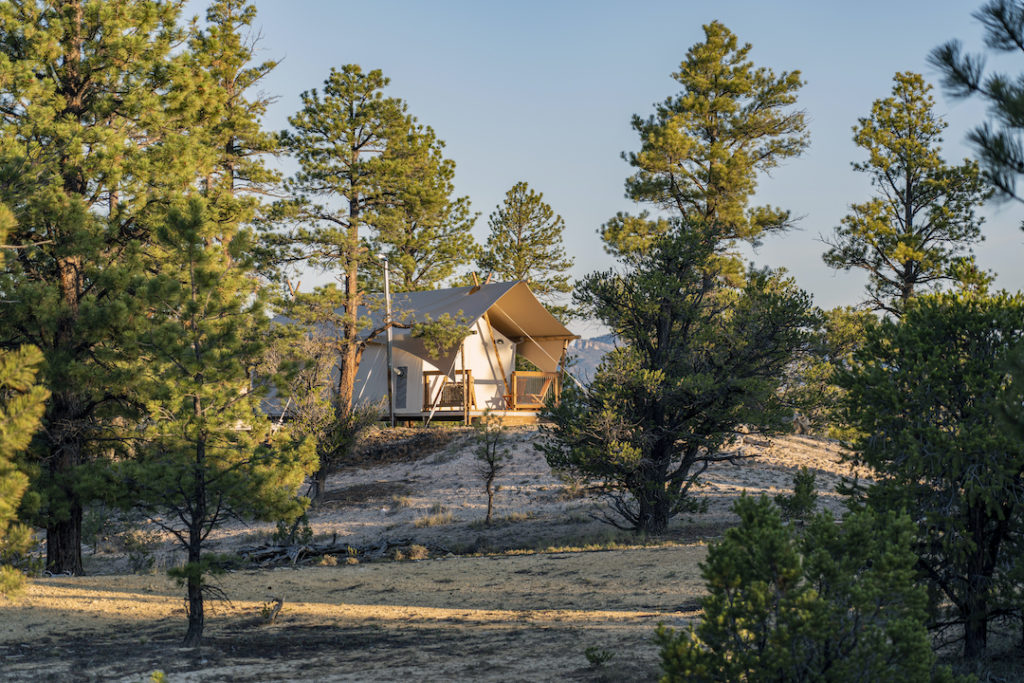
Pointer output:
837, 602
801, 504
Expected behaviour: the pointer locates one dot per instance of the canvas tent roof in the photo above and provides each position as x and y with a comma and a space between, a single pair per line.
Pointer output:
511, 306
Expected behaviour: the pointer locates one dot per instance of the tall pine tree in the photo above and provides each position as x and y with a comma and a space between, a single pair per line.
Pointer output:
916, 234
701, 150
91, 143
525, 243
208, 452
361, 163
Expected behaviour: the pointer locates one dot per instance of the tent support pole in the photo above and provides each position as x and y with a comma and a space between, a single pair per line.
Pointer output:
465, 386
501, 366
561, 371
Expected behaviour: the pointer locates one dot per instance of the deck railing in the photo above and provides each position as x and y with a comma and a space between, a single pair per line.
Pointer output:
443, 393
531, 389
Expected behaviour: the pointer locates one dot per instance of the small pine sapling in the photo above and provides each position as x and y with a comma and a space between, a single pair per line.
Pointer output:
491, 455
800, 505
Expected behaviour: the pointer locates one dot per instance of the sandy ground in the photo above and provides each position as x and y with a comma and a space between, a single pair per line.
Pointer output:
506, 616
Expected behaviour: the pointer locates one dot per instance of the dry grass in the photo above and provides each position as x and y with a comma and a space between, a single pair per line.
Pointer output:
438, 516
439, 619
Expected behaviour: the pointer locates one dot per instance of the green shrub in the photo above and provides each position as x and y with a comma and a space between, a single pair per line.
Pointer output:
598, 656
801, 504
835, 602
297, 533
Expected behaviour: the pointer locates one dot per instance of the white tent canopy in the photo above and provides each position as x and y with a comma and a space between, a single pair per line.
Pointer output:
511, 307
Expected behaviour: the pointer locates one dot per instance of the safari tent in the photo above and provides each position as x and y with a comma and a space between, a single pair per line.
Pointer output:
503, 320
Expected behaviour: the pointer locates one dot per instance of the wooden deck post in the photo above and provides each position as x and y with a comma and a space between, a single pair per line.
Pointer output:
465, 386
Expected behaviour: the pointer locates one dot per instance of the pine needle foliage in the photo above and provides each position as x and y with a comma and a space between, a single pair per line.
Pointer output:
85, 89
207, 452
22, 402
525, 243
930, 425
998, 141
835, 601
915, 235
364, 167
700, 361
702, 149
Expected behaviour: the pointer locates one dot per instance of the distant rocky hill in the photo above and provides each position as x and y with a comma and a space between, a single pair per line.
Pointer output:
586, 355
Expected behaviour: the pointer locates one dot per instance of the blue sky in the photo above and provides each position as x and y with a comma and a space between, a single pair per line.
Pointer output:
544, 92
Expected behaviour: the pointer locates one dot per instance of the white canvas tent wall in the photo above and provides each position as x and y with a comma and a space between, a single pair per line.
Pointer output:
520, 325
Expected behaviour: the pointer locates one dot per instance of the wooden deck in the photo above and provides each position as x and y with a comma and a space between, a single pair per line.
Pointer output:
509, 418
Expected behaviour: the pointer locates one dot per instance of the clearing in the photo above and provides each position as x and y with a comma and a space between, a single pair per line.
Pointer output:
521, 600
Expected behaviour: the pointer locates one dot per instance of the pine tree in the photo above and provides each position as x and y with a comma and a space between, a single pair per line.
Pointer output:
701, 150
361, 164
525, 243
704, 346
21, 406
837, 602
699, 360
91, 142
221, 56
916, 234
430, 237
207, 453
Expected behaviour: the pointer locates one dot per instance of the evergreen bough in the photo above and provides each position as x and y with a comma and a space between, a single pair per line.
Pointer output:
837, 601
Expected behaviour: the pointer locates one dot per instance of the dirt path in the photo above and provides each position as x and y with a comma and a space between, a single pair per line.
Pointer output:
518, 617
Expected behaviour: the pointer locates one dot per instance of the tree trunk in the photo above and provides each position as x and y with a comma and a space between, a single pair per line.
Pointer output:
320, 481
653, 513
194, 636
654, 501
975, 625
64, 532
64, 543
490, 500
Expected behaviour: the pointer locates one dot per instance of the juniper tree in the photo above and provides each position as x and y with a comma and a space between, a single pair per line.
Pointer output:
22, 402
704, 346
930, 425
525, 243
207, 452
915, 235
702, 150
